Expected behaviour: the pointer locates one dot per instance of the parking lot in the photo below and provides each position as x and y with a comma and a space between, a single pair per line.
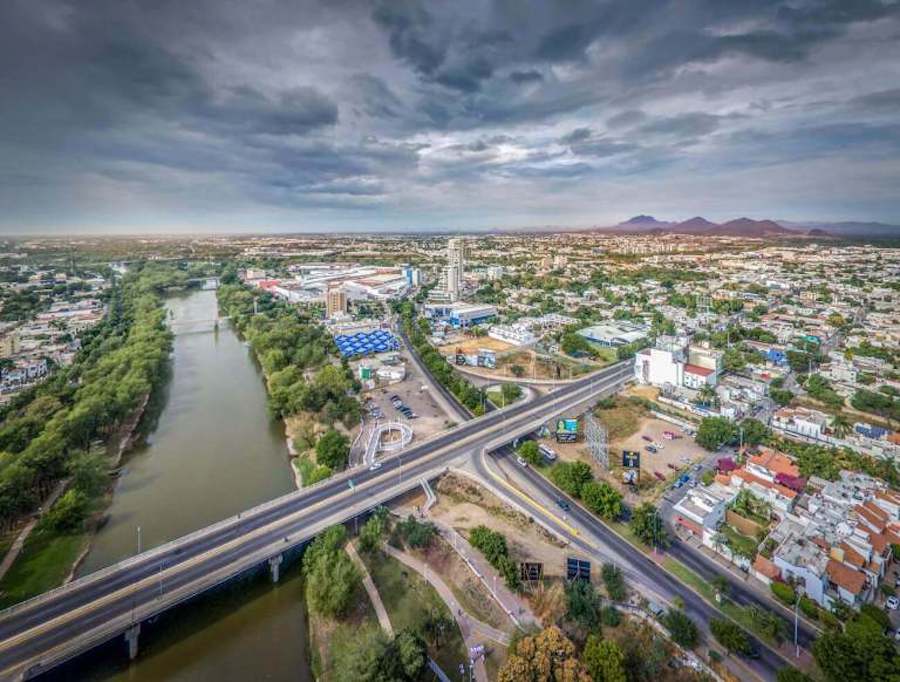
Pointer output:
430, 418
673, 455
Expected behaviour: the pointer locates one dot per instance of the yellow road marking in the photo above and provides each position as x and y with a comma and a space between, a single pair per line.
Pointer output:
527, 497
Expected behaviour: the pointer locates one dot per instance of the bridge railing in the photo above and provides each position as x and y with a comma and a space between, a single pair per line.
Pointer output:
230, 521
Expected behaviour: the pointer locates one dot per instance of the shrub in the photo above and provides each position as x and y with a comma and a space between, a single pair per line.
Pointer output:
610, 616
784, 593
683, 629
809, 608
415, 533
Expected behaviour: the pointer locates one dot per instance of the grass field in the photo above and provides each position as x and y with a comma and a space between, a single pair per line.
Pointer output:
44, 563
623, 419
411, 602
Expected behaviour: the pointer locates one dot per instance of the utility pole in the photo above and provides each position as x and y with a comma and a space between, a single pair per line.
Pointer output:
138, 539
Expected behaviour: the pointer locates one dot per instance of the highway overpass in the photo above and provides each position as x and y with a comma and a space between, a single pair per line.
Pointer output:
43, 632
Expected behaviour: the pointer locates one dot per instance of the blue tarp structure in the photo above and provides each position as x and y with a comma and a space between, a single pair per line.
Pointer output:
366, 343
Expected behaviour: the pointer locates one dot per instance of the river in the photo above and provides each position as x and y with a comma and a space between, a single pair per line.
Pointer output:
213, 452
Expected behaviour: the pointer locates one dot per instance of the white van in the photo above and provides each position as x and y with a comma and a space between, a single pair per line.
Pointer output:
548, 454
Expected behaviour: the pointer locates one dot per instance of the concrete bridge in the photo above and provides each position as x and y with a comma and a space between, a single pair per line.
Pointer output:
43, 632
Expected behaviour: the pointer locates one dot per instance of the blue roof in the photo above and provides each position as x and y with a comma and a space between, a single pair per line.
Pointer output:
363, 343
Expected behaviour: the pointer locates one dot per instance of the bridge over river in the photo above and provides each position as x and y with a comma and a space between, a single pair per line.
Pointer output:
43, 632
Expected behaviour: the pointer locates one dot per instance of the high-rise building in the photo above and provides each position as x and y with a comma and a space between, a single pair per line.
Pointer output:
335, 302
450, 281
456, 264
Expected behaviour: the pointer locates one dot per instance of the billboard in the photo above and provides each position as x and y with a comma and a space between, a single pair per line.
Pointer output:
567, 425
578, 569
631, 459
566, 437
531, 571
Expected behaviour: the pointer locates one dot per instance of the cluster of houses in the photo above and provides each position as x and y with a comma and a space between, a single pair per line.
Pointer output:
29, 350
830, 539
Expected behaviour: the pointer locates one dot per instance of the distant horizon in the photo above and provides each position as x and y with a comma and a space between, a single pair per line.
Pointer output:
793, 225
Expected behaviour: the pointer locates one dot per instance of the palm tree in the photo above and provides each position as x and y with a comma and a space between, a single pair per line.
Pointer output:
840, 425
707, 394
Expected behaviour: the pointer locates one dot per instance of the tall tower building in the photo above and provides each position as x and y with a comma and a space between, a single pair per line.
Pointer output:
456, 265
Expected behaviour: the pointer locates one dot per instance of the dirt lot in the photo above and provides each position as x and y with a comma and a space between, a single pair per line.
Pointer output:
680, 453
463, 504
471, 344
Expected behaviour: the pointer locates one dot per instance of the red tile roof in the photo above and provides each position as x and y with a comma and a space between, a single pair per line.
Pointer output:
844, 576
698, 370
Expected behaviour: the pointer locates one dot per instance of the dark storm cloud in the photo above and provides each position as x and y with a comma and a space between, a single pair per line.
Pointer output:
524, 77
305, 104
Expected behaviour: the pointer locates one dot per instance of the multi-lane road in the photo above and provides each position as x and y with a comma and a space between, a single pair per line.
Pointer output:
44, 631
591, 537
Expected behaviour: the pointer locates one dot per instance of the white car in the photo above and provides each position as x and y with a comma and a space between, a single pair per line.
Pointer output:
521, 461
375, 466
892, 603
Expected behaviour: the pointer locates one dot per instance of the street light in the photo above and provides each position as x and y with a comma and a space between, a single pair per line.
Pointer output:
138, 539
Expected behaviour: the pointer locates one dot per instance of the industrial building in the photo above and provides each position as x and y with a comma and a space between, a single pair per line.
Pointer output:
614, 334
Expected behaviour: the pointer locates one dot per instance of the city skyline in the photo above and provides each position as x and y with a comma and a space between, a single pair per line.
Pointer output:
368, 117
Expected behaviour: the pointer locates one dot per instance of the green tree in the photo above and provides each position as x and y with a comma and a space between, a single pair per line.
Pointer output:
602, 499
860, 652
372, 532
614, 581
781, 396
730, 636
529, 451
583, 604
714, 432
681, 627
647, 524
840, 425
754, 431
415, 533
571, 476
604, 660
332, 581
68, 513
333, 449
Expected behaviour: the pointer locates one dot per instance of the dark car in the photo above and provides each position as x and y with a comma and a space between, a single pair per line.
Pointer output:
562, 504
647, 438
650, 448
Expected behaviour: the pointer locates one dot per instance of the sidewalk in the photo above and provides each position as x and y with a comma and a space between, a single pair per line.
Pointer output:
472, 630
512, 604
383, 618
13, 552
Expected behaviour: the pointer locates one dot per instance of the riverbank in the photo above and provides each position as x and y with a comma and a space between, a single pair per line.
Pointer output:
207, 448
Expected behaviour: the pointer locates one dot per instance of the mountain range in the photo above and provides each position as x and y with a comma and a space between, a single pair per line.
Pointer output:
747, 227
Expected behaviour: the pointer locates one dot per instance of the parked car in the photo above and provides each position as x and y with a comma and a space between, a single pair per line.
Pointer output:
892, 603
647, 438
668, 435
650, 448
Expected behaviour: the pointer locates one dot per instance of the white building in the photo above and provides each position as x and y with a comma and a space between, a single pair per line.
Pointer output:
515, 334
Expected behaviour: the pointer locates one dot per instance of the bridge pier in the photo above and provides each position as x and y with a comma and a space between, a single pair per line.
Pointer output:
274, 566
131, 638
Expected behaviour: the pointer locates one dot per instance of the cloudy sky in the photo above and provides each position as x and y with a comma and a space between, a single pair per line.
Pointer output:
223, 115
